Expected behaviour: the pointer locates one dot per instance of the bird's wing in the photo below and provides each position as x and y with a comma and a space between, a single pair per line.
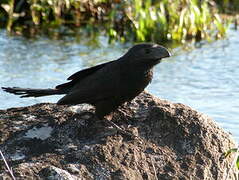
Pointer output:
99, 85
86, 72
80, 75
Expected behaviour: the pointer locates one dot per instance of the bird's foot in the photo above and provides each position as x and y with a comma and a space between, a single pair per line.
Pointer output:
119, 129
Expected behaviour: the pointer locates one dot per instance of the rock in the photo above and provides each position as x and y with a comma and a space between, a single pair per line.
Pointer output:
46, 141
54, 173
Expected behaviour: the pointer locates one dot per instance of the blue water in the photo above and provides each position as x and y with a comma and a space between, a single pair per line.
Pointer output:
205, 78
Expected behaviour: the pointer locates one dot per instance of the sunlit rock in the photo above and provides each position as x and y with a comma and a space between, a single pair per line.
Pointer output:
174, 142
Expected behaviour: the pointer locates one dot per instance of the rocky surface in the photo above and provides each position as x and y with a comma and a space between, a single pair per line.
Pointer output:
46, 141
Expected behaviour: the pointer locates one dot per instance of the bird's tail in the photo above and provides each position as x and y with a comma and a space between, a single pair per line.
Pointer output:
27, 92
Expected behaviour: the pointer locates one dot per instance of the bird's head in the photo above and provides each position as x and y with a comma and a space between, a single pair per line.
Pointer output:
147, 53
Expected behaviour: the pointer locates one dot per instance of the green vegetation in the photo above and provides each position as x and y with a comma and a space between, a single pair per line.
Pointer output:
133, 20
233, 150
172, 20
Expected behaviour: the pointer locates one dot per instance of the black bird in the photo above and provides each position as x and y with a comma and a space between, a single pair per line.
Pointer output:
108, 85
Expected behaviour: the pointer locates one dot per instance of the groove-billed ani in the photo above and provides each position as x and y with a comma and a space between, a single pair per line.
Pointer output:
108, 85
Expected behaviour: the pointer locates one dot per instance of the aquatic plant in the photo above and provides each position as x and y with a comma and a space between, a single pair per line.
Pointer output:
137, 20
171, 20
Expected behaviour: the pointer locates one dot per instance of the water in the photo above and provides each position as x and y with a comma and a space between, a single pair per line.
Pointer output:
205, 78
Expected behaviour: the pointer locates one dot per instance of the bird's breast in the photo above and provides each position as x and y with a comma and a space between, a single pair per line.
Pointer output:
131, 84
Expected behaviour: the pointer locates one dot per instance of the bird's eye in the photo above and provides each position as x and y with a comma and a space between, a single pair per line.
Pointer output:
147, 51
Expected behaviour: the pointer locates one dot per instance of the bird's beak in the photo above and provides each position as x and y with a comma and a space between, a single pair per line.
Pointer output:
163, 52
